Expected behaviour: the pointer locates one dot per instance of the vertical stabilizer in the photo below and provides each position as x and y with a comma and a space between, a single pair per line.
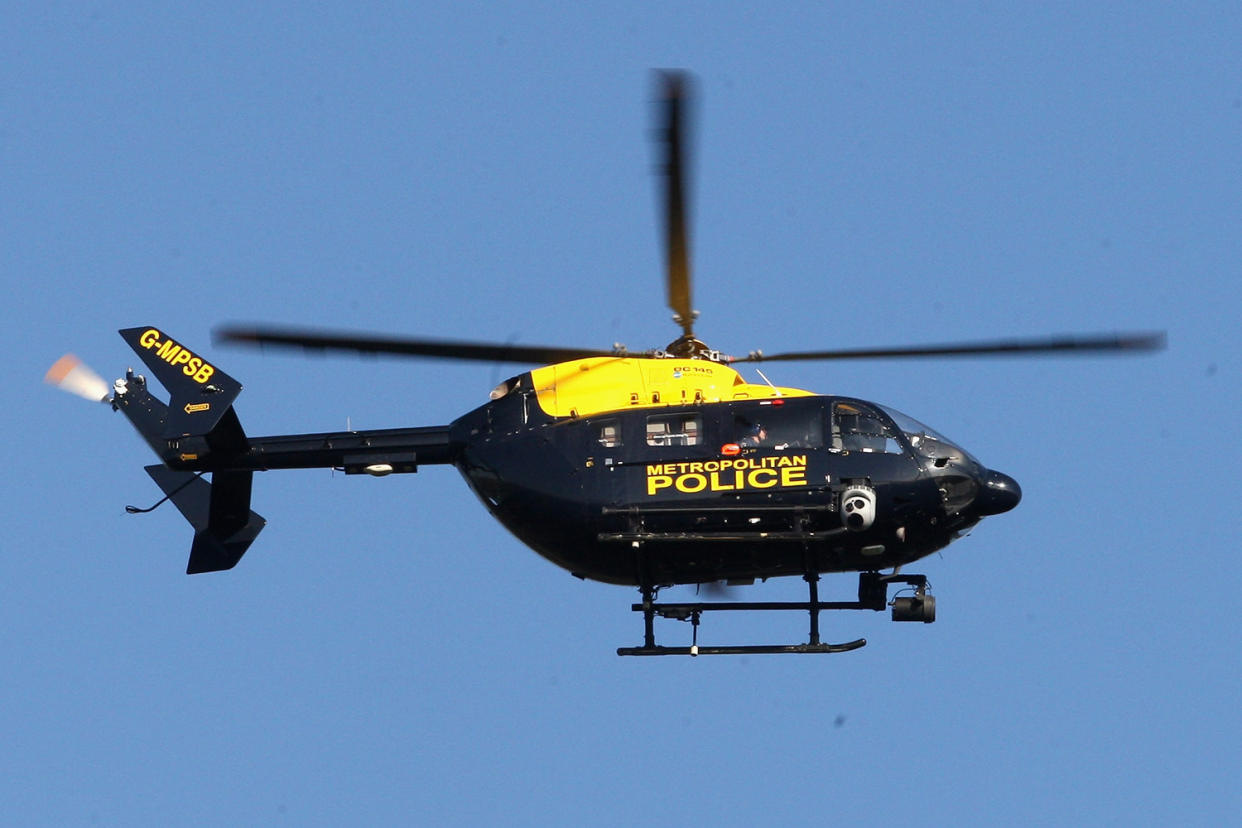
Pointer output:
224, 525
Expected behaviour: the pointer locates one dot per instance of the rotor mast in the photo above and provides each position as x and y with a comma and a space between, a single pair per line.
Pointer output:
675, 94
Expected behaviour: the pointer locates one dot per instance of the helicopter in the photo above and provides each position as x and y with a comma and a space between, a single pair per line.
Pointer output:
647, 469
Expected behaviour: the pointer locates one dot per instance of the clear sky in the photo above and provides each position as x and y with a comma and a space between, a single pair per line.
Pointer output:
865, 174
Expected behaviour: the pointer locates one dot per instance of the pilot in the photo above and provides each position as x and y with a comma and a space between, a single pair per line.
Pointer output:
756, 436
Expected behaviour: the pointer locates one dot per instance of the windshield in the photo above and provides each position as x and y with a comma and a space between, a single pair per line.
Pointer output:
925, 441
856, 427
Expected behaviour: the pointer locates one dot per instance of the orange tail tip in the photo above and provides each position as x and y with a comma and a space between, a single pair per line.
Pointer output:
72, 375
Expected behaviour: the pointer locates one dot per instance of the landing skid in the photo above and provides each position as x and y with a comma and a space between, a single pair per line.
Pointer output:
872, 595
744, 649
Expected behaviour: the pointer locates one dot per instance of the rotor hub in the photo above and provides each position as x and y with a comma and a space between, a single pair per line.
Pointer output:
687, 347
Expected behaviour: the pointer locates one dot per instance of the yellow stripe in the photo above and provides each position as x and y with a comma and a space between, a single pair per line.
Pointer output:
584, 387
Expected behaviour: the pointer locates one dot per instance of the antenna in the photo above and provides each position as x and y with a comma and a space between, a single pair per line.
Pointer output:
769, 382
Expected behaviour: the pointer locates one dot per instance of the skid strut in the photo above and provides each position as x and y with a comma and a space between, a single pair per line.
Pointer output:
872, 595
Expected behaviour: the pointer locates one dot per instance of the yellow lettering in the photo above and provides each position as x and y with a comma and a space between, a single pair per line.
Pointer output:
792, 476
769, 478
694, 477
194, 367
691, 483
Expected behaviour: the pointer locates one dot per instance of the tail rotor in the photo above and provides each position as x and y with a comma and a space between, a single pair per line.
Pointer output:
73, 375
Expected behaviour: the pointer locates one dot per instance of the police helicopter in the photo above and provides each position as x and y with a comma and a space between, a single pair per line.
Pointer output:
646, 469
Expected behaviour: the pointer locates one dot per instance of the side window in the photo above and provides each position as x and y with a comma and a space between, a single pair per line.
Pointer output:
777, 426
608, 433
859, 428
674, 430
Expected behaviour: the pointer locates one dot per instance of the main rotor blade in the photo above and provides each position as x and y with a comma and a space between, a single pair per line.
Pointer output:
1095, 343
675, 93
319, 340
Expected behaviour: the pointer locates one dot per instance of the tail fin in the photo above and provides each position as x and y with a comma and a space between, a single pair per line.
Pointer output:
195, 432
224, 525
201, 393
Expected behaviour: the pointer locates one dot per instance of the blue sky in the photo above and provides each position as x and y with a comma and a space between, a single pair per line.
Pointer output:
864, 175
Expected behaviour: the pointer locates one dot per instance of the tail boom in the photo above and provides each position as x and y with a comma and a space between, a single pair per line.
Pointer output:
198, 431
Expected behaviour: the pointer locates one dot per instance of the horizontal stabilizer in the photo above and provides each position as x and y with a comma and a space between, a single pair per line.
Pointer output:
224, 525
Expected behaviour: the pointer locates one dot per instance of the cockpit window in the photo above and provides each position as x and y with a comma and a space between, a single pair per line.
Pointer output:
857, 427
777, 426
927, 442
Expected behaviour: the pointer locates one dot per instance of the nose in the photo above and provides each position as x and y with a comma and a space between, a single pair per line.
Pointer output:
999, 493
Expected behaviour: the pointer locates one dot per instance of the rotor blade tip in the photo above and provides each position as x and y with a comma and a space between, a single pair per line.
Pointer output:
674, 83
230, 333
